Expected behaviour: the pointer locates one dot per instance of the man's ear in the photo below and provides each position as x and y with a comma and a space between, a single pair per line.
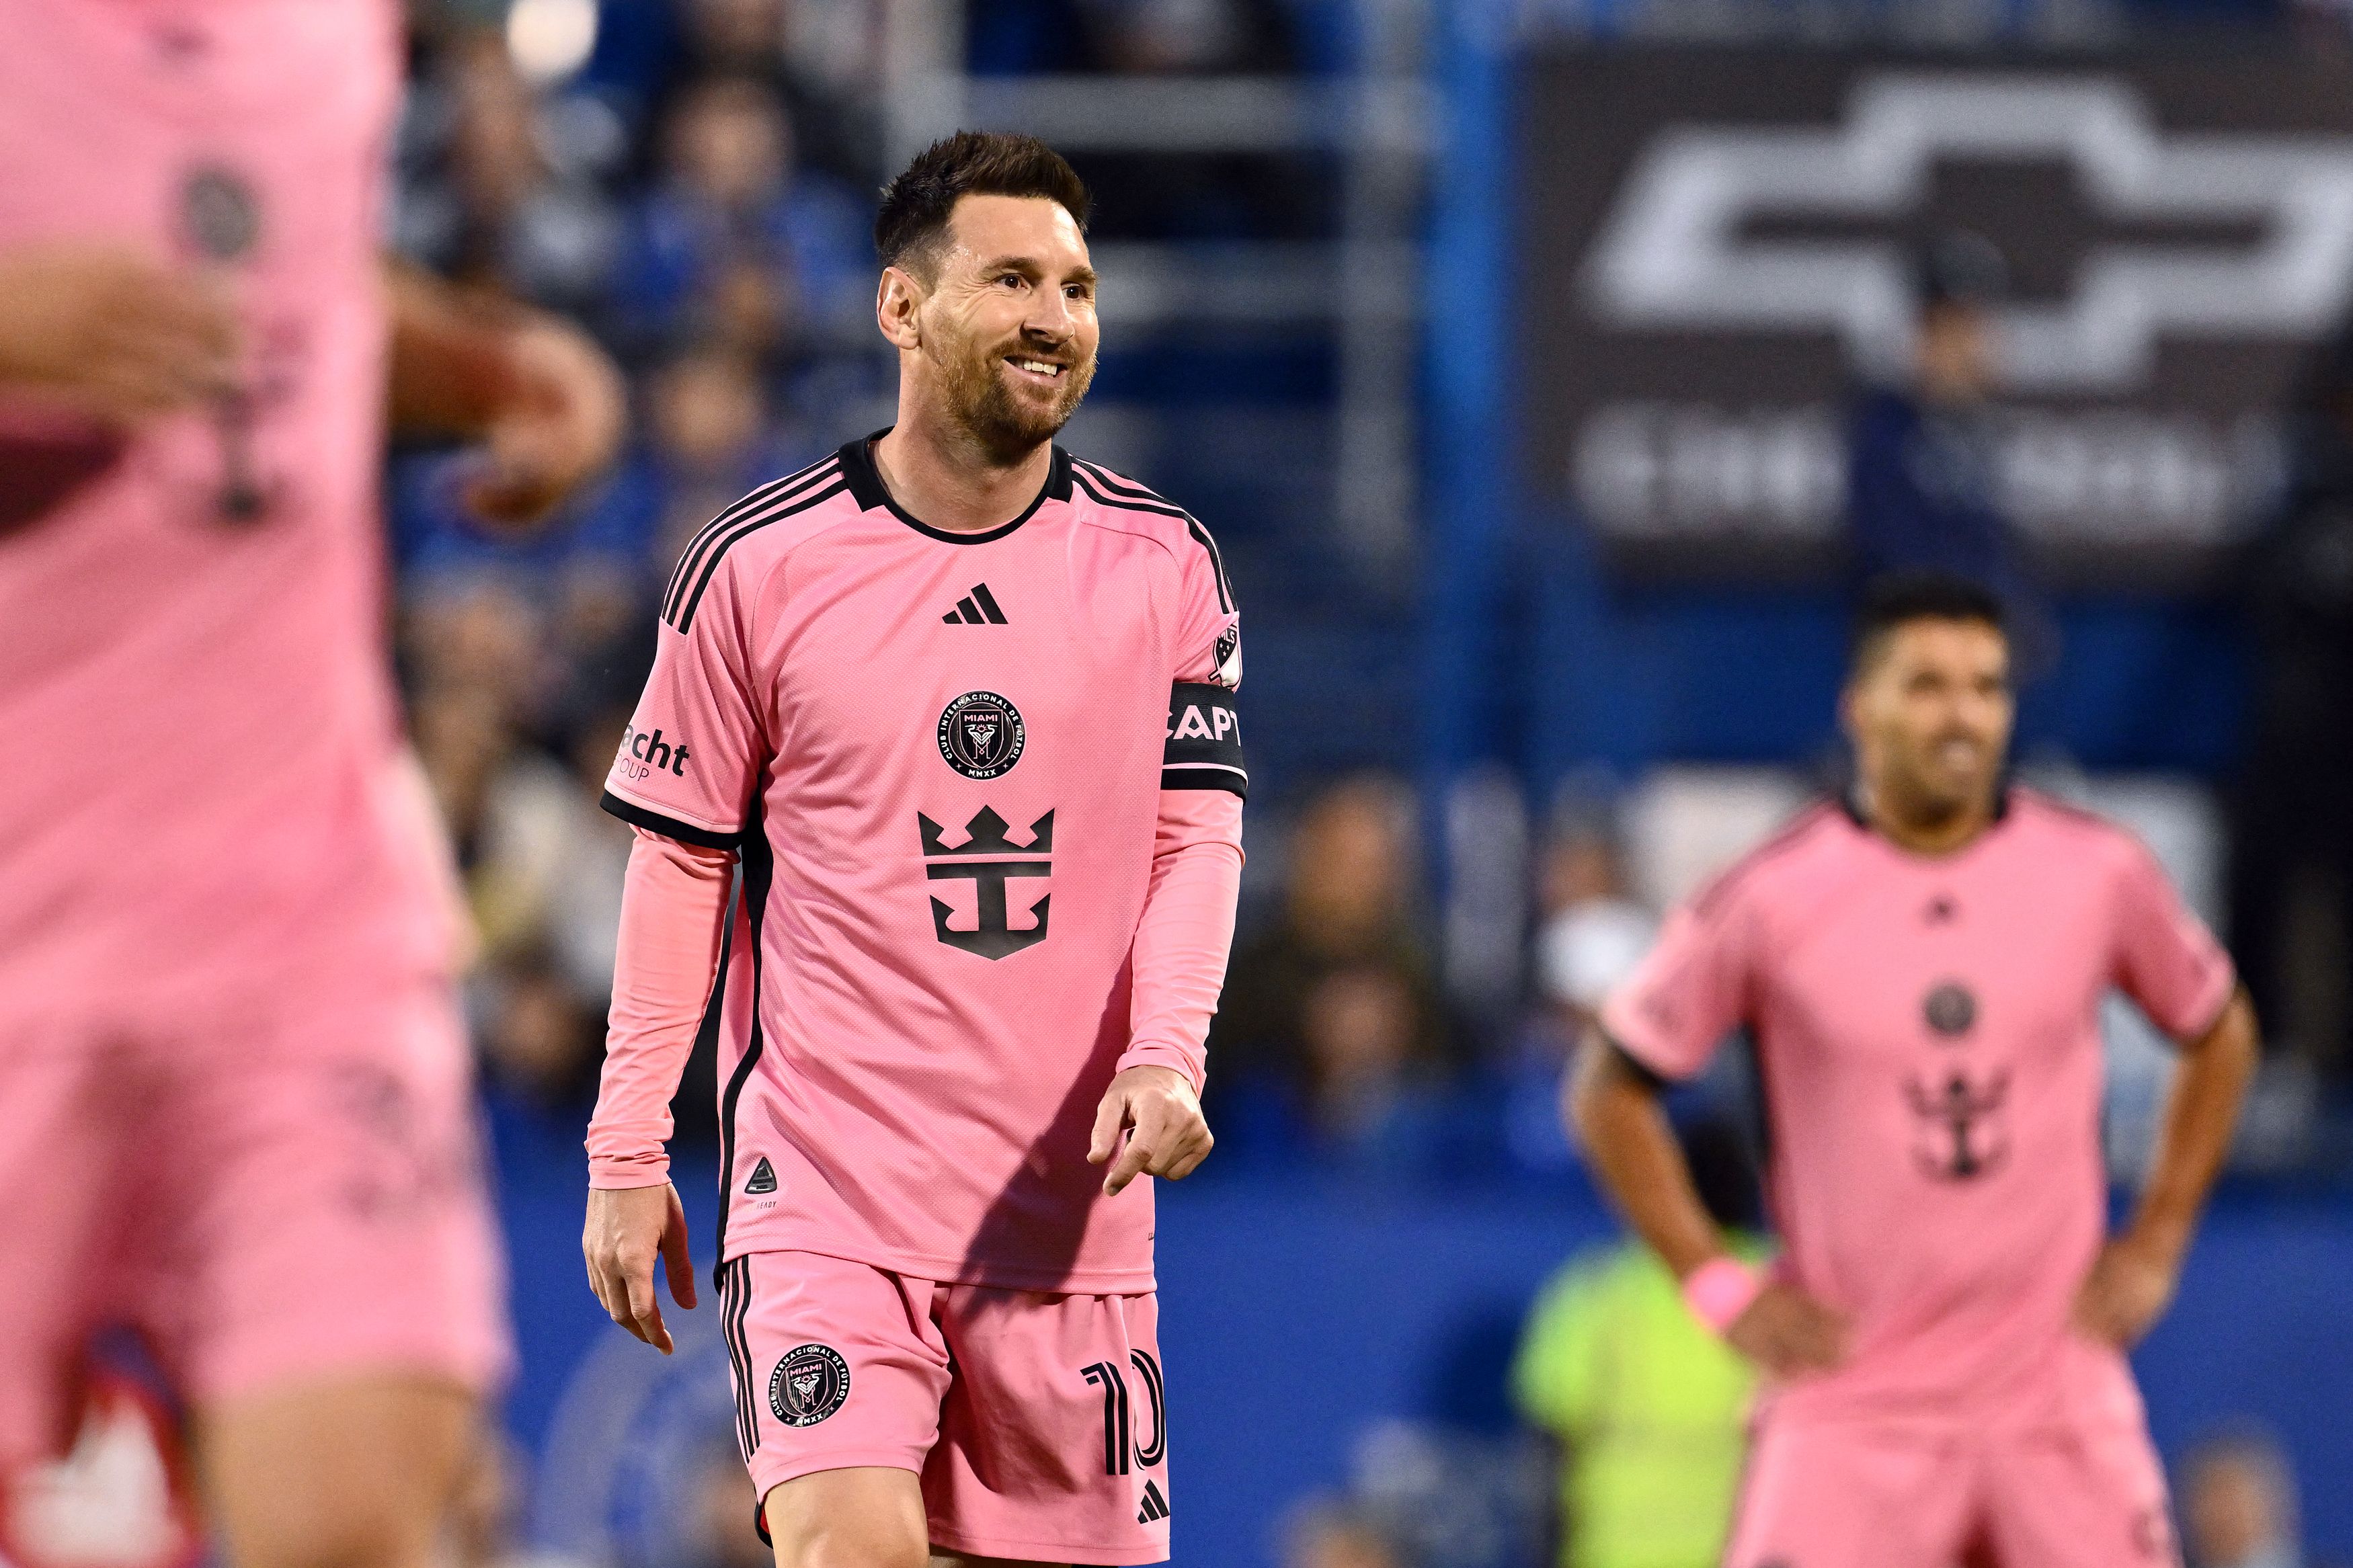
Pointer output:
897, 302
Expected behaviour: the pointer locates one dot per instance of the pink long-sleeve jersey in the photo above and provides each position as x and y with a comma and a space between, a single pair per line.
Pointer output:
1927, 1039
987, 789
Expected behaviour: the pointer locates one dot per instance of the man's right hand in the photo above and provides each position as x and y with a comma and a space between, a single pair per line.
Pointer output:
110, 334
628, 1228
1789, 1333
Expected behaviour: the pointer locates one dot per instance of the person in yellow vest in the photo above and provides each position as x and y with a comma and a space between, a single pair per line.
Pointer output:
1648, 1409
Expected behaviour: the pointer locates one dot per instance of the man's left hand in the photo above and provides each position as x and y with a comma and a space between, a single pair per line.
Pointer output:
556, 424
2127, 1290
1170, 1136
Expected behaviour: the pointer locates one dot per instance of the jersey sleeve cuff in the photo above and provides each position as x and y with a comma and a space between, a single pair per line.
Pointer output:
618, 1173
653, 821
1160, 1054
1644, 1055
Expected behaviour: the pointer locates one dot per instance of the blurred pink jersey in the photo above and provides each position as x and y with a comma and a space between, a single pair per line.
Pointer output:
205, 784
941, 756
1927, 1037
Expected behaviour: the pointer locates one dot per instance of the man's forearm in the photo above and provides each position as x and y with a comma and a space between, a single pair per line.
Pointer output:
2200, 1113
1186, 931
1633, 1148
673, 917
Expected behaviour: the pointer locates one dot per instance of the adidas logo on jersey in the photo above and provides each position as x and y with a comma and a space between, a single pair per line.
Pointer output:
978, 608
1156, 1507
764, 1177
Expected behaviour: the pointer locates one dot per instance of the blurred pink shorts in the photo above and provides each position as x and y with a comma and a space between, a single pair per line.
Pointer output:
270, 1191
2083, 1492
1036, 1422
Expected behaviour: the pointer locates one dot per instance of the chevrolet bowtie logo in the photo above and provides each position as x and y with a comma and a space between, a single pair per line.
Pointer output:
1676, 255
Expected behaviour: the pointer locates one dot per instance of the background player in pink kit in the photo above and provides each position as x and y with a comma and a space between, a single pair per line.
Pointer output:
234, 1093
1921, 968
962, 705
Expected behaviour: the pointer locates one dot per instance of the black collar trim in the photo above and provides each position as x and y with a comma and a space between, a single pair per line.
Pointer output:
1849, 801
866, 489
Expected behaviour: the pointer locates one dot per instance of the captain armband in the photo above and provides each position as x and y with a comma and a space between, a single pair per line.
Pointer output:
1205, 740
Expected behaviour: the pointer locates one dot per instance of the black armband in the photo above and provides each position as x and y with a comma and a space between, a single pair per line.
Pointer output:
1205, 740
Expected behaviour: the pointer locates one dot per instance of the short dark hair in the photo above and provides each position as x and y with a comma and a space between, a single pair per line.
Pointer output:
915, 207
1902, 597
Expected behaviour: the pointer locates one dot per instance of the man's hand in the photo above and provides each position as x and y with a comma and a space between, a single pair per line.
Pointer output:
1789, 1333
627, 1230
1170, 1136
2129, 1286
554, 423
110, 334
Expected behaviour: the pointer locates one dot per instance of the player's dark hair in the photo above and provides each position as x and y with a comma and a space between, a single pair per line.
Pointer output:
1900, 598
913, 218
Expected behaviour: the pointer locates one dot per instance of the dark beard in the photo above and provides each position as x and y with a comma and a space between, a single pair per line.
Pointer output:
984, 408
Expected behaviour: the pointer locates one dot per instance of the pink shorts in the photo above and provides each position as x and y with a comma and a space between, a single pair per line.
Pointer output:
2088, 1492
1038, 1422
269, 1193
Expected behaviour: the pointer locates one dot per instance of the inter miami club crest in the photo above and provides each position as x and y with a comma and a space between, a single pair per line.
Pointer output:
808, 1385
981, 735
1950, 1010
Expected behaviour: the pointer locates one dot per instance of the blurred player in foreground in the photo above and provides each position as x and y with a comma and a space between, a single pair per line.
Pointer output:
962, 707
233, 1090
1921, 966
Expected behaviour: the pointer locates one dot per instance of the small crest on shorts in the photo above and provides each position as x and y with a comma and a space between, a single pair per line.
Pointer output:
764, 1177
809, 1384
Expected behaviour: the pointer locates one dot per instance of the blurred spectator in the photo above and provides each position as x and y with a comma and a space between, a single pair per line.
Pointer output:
500, 191
1648, 1409
2239, 1505
1336, 1008
1594, 932
817, 56
736, 240
539, 1042
1334, 1535
708, 438
2291, 829
1921, 479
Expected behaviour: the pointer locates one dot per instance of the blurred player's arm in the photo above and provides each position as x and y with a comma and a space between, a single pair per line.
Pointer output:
1613, 1100
1182, 941
2134, 1280
673, 920
101, 331
541, 396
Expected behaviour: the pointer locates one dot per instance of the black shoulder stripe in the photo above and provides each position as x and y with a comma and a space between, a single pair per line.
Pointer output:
1163, 508
1217, 563
742, 530
1126, 503
690, 558
1789, 834
777, 489
1119, 485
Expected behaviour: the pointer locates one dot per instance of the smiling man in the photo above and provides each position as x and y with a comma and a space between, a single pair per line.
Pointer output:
961, 705
1921, 967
